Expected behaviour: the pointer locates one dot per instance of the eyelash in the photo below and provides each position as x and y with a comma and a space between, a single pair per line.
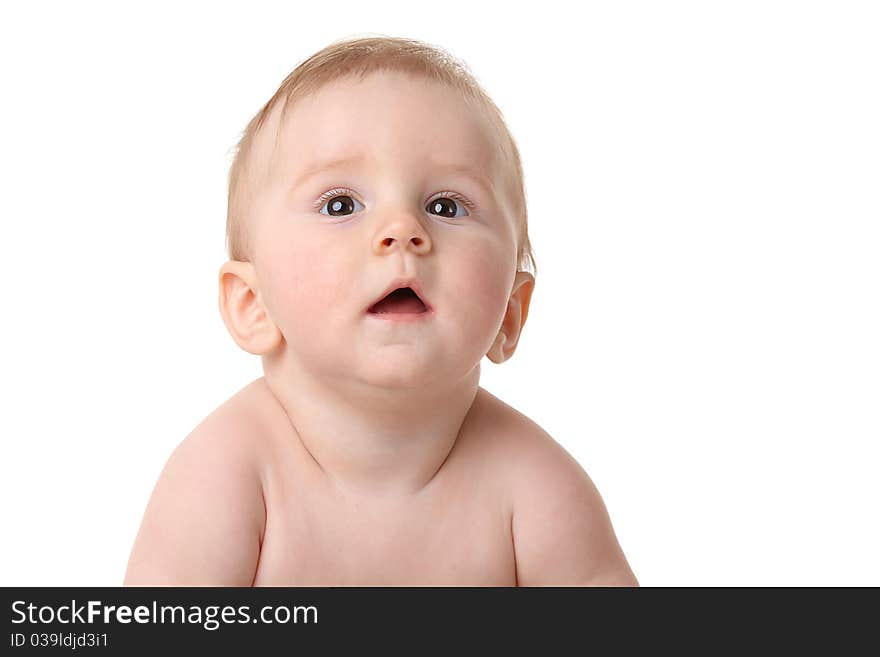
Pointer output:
344, 191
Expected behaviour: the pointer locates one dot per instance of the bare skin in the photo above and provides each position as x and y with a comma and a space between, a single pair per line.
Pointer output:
368, 454
241, 502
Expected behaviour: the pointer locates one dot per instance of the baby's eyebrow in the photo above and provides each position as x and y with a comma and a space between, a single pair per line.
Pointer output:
350, 161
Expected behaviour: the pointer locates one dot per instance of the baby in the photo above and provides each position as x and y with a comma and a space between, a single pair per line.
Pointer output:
378, 250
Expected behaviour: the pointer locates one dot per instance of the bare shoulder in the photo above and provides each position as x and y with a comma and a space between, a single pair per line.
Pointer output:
205, 518
562, 532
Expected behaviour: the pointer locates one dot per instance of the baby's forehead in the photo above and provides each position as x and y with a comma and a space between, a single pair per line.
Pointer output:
387, 121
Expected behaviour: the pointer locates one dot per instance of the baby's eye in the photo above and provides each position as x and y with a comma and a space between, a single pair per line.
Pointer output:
337, 203
446, 204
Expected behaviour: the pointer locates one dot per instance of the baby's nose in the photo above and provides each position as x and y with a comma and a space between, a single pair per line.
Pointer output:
402, 234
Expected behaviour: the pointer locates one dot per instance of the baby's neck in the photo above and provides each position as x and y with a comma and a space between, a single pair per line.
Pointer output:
370, 442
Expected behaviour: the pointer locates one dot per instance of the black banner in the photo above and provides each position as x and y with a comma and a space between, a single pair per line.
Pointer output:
129, 621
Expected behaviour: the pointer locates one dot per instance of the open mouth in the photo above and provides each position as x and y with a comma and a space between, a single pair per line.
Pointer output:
403, 301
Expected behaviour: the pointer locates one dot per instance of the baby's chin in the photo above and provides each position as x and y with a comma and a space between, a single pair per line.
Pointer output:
399, 373
401, 367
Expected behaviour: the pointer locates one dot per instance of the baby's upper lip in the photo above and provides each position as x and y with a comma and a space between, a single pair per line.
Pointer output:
396, 284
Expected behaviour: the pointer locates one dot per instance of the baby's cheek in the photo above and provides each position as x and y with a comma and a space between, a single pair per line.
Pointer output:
483, 281
306, 286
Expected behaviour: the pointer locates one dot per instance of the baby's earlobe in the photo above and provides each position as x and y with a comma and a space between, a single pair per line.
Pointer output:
500, 339
496, 353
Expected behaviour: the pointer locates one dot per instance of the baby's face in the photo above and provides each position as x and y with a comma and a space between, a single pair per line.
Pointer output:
328, 240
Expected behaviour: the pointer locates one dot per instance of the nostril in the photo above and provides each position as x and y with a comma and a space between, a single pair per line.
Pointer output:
388, 241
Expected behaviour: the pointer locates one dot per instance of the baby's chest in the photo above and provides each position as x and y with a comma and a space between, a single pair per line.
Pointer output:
457, 543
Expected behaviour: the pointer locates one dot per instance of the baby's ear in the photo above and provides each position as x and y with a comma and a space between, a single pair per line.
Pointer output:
242, 308
514, 318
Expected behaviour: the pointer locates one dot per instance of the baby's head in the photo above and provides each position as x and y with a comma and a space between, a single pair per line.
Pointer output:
378, 163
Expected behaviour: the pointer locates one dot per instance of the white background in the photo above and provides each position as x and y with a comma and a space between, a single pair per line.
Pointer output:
704, 195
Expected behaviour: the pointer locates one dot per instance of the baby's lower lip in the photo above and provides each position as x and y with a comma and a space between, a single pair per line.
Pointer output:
402, 317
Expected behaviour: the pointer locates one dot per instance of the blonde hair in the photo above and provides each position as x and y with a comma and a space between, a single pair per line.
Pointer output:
362, 56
